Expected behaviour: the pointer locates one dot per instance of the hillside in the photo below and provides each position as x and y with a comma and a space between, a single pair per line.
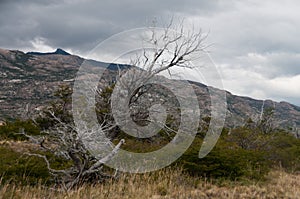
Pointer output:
28, 80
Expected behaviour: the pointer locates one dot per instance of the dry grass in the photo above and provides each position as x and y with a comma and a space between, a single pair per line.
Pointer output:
167, 184
19, 146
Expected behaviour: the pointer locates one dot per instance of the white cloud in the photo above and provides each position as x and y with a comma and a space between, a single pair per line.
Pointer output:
40, 44
284, 86
254, 84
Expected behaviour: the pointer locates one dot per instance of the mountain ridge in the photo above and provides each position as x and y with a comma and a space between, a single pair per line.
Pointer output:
27, 78
58, 51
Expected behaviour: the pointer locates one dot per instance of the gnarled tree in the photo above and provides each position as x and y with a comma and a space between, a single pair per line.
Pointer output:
64, 139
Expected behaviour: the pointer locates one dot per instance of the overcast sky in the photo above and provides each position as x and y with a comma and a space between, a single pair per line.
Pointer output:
255, 43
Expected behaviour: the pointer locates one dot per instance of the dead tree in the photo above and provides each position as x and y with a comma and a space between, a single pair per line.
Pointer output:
165, 49
169, 49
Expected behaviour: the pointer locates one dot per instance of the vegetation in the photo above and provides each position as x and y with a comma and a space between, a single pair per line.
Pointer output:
64, 139
247, 152
21, 169
167, 183
17, 167
12, 129
246, 163
243, 153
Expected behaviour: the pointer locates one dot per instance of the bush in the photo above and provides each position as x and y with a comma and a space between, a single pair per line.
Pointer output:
244, 153
284, 150
225, 161
12, 129
22, 169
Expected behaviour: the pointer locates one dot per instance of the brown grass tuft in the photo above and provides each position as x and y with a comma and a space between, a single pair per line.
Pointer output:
166, 184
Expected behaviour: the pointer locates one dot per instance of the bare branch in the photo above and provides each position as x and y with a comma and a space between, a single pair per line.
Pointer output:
106, 158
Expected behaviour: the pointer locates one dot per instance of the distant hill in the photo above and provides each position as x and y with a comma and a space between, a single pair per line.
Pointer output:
28, 80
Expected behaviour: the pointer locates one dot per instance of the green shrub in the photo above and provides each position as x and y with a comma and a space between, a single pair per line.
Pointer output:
284, 150
22, 169
225, 161
12, 130
27, 170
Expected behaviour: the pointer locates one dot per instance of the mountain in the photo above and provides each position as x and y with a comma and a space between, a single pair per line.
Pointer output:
28, 81
58, 51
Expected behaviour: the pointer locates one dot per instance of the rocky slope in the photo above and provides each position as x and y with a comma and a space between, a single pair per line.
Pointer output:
28, 80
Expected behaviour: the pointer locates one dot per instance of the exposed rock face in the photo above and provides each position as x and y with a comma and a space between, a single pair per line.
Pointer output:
30, 79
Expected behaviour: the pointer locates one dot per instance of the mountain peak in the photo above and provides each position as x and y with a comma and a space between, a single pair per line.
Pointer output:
58, 51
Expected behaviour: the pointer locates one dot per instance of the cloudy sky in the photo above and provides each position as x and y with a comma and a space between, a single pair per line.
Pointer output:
255, 43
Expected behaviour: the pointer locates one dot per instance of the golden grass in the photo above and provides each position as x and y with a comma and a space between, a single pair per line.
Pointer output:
166, 183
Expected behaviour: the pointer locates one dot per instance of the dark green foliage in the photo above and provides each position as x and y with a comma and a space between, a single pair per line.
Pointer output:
22, 169
225, 161
244, 152
12, 130
284, 150
249, 138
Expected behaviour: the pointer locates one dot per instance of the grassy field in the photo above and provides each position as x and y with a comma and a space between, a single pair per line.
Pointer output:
19, 171
167, 183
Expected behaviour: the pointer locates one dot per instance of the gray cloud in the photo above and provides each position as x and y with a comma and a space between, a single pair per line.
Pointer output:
255, 43
81, 24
